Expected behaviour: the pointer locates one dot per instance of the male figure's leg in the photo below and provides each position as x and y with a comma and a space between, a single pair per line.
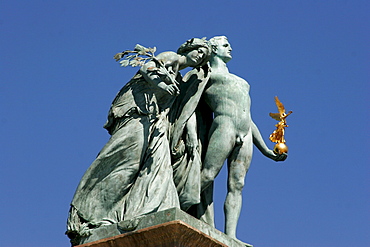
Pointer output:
238, 165
220, 145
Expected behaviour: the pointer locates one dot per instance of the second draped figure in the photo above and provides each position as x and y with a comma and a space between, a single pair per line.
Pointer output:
150, 163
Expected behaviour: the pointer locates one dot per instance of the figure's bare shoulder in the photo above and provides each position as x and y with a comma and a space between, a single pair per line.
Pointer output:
226, 77
220, 77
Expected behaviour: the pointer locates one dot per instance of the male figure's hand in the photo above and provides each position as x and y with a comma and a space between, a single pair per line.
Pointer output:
277, 157
281, 157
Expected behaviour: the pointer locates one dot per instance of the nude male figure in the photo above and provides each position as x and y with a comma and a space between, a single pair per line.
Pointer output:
232, 132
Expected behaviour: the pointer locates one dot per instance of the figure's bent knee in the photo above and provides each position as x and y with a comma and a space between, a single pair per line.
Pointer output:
236, 185
208, 176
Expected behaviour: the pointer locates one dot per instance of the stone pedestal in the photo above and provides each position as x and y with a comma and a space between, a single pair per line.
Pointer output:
167, 228
174, 233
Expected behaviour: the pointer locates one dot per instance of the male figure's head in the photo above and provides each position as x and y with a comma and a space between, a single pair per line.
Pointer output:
221, 48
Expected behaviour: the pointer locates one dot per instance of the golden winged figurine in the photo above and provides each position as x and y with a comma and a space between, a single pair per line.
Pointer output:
278, 134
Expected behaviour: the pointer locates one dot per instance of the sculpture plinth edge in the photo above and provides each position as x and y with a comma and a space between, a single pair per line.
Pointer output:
171, 227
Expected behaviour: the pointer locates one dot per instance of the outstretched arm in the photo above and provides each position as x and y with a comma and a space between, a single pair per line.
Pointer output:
261, 145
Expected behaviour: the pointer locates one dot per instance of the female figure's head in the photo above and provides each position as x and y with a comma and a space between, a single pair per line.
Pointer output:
196, 52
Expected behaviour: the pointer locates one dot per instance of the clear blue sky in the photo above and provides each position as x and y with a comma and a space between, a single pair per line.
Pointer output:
58, 78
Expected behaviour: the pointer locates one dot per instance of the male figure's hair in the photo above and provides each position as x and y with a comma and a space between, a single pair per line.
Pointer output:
213, 41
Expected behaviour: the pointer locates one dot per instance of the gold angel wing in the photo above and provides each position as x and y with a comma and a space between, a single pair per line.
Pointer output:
280, 106
275, 116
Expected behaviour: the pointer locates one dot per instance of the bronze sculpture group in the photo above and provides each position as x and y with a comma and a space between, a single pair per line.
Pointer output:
170, 136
